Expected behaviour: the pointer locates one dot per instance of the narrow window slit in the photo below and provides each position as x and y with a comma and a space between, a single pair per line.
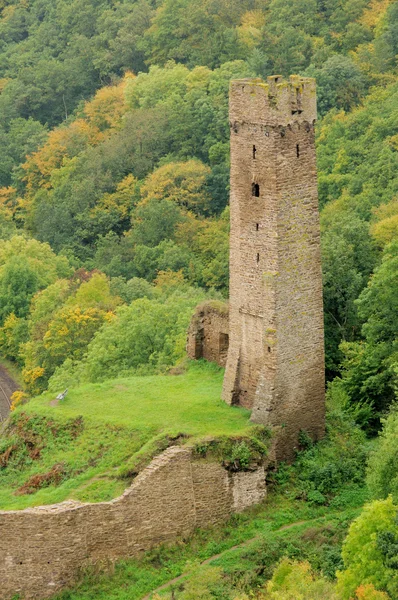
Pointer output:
257, 226
298, 150
254, 151
269, 348
255, 190
258, 258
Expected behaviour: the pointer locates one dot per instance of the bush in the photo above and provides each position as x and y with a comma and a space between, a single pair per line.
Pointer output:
382, 475
370, 551
18, 397
322, 470
296, 581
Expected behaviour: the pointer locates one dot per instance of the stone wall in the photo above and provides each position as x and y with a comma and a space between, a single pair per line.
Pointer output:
275, 363
42, 549
208, 334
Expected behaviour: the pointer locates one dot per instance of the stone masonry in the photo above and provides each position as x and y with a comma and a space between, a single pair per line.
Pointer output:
208, 334
43, 549
275, 363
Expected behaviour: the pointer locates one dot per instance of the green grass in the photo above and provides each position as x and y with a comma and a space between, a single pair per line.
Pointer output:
188, 403
100, 435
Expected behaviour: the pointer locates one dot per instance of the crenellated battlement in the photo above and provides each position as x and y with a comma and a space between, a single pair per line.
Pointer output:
274, 102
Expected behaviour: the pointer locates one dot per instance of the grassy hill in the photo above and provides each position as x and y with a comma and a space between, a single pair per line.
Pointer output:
90, 445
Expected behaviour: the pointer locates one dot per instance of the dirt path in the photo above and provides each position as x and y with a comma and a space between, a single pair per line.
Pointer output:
7, 388
163, 587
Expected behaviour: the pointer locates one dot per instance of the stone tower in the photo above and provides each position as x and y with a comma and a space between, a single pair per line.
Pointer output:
275, 364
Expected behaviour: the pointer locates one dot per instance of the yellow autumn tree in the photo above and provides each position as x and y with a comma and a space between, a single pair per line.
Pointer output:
296, 581
70, 332
108, 106
63, 323
369, 592
116, 208
250, 29
101, 116
181, 182
19, 397
374, 12
385, 228
34, 379
8, 198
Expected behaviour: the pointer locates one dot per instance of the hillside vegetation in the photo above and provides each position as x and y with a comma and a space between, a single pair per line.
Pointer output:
114, 225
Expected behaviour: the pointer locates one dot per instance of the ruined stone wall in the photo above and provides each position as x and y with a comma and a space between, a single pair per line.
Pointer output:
275, 362
208, 334
42, 549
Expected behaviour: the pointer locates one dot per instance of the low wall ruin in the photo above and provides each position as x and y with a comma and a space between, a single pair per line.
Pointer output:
208, 334
43, 549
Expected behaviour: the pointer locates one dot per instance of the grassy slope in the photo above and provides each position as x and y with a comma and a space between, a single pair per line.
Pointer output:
122, 421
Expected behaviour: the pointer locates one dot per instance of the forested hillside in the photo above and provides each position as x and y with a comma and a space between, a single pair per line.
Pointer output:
114, 218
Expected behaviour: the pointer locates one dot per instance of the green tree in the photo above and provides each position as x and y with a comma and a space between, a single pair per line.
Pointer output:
18, 284
148, 335
40, 258
20, 138
340, 84
182, 183
132, 289
194, 33
154, 221
94, 293
13, 334
369, 368
382, 476
348, 257
114, 255
370, 551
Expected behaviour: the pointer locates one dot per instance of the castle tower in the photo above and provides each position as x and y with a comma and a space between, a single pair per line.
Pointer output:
275, 363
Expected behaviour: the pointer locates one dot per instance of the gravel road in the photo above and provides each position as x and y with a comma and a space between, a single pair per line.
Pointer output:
7, 388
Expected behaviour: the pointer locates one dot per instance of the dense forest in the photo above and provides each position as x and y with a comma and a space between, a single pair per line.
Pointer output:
114, 218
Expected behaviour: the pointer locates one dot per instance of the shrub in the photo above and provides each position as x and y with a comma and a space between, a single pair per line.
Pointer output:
382, 475
370, 551
322, 470
19, 397
296, 581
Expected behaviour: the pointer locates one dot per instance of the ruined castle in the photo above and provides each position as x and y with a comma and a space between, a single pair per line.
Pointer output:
275, 363
270, 339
